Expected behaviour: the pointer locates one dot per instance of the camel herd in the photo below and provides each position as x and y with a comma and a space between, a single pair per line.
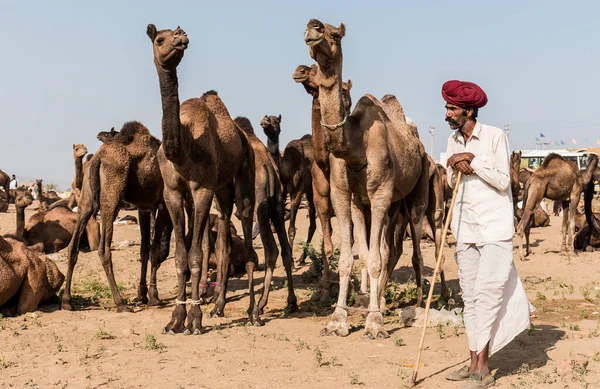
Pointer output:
366, 165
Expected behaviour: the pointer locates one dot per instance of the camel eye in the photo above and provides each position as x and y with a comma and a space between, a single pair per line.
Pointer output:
336, 35
160, 40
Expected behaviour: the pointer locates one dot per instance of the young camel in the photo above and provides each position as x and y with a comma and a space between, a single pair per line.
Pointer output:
294, 170
556, 179
125, 169
203, 152
376, 166
307, 76
79, 151
269, 209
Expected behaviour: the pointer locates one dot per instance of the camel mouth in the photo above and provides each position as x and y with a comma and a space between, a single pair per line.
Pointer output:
299, 78
312, 42
180, 46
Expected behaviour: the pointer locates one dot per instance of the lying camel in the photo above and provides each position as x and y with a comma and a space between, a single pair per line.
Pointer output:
26, 279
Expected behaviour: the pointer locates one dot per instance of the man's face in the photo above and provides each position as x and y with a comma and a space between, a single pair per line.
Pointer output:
456, 116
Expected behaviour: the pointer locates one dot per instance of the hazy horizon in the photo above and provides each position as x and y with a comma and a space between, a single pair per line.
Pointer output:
72, 68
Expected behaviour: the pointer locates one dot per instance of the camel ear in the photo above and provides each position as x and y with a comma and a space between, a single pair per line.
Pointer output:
349, 84
151, 32
279, 117
342, 30
73, 146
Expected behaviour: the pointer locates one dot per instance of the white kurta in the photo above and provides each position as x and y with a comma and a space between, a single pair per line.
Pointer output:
496, 305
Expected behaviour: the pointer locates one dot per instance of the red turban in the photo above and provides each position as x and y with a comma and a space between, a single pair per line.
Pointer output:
464, 94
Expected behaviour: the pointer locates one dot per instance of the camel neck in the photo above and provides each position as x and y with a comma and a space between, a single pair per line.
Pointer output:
589, 171
333, 113
273, 146
78, 172
171, 123
20, 222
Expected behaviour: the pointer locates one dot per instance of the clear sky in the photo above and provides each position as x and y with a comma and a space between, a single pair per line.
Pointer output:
72, 68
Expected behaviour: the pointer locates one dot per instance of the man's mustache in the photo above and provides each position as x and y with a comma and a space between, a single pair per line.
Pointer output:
451, 121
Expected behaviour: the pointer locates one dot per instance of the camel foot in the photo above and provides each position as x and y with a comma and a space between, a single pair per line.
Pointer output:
374, 326
419, 297
175, 326
292, 303
66, 306
338, 324
446, 294
124, 308
302, 259
216, 312
194, 321
153, 302
254, 318
141, 299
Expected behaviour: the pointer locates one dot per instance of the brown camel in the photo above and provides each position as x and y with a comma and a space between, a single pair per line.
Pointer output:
3, 201
556, 179
524, 175
269, 209
515, 185
124, 169
45, 200
4, 191
79, 151
378, 168
294, 169
307, 76
105, 136
26, 279
203, 152
50, 231
4, 181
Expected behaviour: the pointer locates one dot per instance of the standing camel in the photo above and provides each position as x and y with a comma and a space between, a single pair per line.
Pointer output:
307, 76
294, 170
125, 169
556, 179
79, 151
203, 152
515, 185
377, 168
269, 209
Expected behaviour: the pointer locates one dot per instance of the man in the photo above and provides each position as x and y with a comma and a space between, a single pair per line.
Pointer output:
13, 183
496, 306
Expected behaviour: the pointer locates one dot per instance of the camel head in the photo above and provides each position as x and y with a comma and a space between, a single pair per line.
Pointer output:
79, 150
105, 136
346, 99
271, 126
169, 46
515, 161
23, 198
307, 77
325, 43
54, 279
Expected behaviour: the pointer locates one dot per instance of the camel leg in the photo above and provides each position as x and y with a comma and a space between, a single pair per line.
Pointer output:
277, 215
575, 195
159, 251
144, 220
83, 216
271, 253
174, 203
205, 260
435, 217
565, 225
312, 227
321, 196
360, 230
245, 200
396, 222
108, 215
295, 198
341, 197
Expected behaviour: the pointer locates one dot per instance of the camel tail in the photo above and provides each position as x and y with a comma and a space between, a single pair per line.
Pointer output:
95, 184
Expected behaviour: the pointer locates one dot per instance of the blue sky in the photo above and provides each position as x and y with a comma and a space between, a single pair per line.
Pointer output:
70, 68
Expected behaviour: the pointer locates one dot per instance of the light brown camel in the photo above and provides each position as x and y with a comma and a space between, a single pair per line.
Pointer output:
203, 152
524, 175
320, 170
124, 169
79, 151
515, 185
269, 209
294, 169
26, 279
556, 179
378, 167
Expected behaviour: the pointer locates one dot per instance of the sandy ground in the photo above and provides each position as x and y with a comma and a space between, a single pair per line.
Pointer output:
96, 347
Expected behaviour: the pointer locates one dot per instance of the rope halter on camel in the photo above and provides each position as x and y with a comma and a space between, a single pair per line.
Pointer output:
335, 126
188, 302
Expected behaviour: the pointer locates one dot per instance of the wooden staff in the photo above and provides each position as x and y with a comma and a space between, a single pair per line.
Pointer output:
435, 272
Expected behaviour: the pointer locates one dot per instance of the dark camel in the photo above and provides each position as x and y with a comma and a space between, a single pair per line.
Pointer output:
320, 170
4, 181
269, 209
125, 169
294, 169
26, 279
378, 169
556, 179
203, 152
4, 191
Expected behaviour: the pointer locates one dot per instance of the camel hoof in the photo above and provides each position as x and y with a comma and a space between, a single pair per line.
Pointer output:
215, 313
124, 308
141, 299
338, 325
175, 326
374, 327
155, 302
66, 307
293, 308
186, 332
194, 320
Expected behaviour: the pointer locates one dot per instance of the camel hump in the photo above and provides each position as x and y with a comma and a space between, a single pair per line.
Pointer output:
244, 124
131, 130
215, 104
551, 157
393, 107
307, 137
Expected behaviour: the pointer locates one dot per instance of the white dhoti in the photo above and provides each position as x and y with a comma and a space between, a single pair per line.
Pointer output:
496, 306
